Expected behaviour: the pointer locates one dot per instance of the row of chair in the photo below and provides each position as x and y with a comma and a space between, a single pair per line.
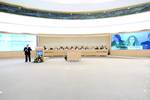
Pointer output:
78, 48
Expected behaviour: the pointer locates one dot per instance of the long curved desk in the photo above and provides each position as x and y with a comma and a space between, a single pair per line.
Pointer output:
73, 54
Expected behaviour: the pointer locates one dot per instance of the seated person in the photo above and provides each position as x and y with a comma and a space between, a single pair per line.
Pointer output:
102, 47
96, 48
61, 48
76, 48
82, 48
86, 47
79, 48
51, 48
45, 47
66, 48
71, 48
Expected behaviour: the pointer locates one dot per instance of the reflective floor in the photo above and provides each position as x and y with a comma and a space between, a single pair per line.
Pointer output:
89, 79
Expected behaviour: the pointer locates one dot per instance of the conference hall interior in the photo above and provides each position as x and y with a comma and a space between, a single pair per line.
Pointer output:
74, 49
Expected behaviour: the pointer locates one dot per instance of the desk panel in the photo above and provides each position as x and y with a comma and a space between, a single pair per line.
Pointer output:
55, 53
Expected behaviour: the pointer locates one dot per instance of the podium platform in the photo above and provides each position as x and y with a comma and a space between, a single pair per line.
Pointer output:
73, 55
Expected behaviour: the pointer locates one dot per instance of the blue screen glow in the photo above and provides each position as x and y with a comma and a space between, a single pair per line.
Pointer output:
39, 53
131, 41
16, 42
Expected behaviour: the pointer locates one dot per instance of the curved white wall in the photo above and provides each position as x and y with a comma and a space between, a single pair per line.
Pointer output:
24, 24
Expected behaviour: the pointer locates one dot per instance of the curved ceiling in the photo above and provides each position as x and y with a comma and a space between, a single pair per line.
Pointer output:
33, 25
74, 5
24, 24
10, 8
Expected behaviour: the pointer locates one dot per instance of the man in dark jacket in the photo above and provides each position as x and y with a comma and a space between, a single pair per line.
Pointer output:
146, 44
27, 52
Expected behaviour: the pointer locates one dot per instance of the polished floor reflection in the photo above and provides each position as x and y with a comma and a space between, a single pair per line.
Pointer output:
89, 79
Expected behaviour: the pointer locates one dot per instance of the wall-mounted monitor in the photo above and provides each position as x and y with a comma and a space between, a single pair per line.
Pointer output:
131, 41
39, 52
16, 42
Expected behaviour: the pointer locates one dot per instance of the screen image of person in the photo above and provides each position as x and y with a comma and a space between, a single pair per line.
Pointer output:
117, 42
146, 44
133, 43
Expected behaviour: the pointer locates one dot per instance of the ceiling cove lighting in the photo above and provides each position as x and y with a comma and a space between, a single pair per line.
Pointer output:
79, 1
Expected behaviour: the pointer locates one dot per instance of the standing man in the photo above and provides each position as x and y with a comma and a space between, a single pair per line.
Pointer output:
27, 52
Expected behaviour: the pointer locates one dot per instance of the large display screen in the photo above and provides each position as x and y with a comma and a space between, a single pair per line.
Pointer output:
16, 42
131, 41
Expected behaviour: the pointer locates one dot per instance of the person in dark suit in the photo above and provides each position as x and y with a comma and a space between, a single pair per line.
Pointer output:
118, 43
146, 44
27, 52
